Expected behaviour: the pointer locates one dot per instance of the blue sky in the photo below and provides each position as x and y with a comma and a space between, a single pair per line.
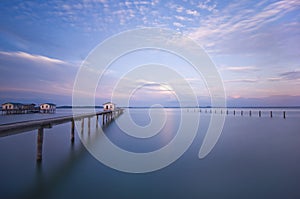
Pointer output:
254, 45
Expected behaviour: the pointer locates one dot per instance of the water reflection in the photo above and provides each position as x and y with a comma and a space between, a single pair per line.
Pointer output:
44, 184
254, 158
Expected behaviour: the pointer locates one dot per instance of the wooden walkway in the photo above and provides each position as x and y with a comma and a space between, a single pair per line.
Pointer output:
22, 127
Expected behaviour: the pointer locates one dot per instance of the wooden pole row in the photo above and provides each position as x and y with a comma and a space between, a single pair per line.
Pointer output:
242, 112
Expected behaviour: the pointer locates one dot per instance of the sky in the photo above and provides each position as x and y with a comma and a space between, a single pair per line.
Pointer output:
253, 44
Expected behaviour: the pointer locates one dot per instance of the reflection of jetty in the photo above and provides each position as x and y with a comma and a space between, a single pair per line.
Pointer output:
20, 127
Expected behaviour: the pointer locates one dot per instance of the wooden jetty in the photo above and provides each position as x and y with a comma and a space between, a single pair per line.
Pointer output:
41, 124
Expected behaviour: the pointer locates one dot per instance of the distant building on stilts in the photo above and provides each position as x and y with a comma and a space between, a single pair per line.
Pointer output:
47, 108
18, 108
109, 106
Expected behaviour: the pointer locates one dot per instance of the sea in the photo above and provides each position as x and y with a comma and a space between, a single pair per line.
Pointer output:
254, 157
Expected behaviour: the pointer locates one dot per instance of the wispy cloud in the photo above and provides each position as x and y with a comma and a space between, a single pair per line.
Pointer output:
192, 12
183, 18
176, 7
207, 5
177, 24
286, 76
239, 68
32, 57
35, 74
291, 75
240, 18
274, 79
241, 81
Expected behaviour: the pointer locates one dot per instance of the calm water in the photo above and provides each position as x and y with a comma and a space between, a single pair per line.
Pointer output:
255, 157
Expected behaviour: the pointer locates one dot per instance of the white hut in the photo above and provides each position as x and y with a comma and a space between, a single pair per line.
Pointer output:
48, 108
11, 106
109, 106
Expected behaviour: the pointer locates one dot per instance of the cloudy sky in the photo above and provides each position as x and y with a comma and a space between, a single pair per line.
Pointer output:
253, 44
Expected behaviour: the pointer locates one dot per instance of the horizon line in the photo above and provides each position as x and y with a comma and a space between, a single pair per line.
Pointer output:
90, 106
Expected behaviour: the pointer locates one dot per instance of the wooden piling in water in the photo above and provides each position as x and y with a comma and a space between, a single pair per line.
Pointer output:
226, 112
259, 113
40, 137
271, 114
284, 114
233, 112
250, 113
82, 125
241, 113
89, 125
72, 131
97, 120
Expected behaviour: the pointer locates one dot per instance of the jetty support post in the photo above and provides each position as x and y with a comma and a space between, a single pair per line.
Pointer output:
283, 114
89, 125
271, 114
40, 138
97, 120
82, 125
72, 131
259, 113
